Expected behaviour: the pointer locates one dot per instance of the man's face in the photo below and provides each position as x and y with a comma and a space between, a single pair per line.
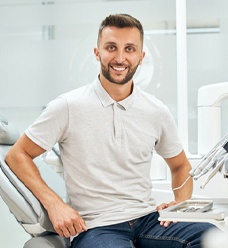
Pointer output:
119, 52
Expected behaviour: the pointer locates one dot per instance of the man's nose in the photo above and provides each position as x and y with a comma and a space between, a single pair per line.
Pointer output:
120, 57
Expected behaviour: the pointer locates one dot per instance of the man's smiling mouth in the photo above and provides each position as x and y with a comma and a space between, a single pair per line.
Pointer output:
118, 68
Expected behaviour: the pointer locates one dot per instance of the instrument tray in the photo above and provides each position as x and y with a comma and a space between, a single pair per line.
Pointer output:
194, 209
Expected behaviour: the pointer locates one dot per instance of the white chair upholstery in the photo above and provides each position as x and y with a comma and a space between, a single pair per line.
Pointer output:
48, 241
27, 210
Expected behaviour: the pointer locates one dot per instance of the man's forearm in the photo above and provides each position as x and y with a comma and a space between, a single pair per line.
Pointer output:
182, 185
25, 169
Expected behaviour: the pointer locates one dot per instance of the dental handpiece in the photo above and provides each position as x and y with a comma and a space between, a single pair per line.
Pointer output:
220, 152
199, 169
208, 163
202, 164
214, 172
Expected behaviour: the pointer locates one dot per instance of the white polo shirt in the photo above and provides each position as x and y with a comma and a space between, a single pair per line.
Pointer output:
106, 148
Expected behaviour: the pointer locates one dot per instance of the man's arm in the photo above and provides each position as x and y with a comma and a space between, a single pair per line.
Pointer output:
179, 167
66, 221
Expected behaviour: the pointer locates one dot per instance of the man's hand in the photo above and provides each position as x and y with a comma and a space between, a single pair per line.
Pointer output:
163, 206
66, 221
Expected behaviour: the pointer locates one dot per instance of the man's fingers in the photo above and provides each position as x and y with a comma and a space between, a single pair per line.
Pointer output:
165, 205
165, 223
72, 230
66, 233
71, 227
79, 224
162, 206
83, 225
66, 221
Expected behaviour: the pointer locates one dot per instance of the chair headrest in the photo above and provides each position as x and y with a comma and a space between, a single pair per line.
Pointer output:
9, 133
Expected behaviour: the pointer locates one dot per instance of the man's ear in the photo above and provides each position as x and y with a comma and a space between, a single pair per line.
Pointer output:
95, 50
142, 57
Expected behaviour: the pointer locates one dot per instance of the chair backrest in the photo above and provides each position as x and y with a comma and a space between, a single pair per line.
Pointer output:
9, 133
21, 202
26, 209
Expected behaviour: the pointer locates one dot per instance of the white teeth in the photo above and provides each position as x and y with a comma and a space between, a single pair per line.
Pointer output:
119, 68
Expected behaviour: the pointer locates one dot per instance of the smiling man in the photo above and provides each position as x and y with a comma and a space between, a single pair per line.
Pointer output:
120, 53
107, 132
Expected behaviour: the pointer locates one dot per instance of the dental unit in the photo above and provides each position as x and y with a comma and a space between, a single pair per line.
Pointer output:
213, 210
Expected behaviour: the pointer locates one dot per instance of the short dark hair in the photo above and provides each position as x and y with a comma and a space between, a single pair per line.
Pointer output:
121, 21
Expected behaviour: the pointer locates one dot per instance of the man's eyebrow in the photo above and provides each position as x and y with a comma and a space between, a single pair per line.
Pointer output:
110, 43
114, 43
131, 44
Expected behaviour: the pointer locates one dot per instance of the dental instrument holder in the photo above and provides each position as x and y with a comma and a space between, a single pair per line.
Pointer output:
216, 160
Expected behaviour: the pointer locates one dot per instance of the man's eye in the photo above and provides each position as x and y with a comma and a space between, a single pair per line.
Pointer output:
111, 48
130, 49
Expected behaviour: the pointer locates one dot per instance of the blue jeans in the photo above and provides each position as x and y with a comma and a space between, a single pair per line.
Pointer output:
144, 232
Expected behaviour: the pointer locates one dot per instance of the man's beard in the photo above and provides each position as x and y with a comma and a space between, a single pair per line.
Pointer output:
128, 77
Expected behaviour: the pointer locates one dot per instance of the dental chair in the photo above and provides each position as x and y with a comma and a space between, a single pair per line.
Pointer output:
25, 207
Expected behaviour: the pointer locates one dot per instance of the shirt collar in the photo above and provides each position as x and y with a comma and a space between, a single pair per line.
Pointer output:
106, 100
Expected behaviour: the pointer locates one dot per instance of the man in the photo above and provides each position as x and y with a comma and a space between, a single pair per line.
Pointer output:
107, 132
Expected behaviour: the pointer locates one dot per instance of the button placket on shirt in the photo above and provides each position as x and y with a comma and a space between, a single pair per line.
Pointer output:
117, 121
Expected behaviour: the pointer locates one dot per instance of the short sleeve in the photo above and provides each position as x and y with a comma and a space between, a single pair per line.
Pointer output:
168, 145
51, 126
